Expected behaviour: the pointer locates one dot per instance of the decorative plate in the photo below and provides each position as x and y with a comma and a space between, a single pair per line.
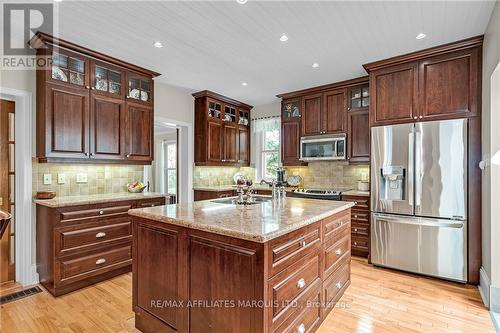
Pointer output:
58, 74
144, 96
294, 180
134, 93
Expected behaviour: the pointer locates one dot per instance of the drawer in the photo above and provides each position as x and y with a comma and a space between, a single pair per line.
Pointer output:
96, 263
151, 202
360, 243
335, 285
360, 202
335, 225
360, 230
69, 239
307, 319
330, 240
336, 255
289, 248
360, 216
88, 214
291, 282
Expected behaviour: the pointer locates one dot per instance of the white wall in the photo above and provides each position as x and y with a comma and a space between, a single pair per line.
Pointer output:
490, 144
174, 103
266, 110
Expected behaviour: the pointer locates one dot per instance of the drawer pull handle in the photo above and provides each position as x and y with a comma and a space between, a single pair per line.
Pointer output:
302, 243
355, 243
355, 216
356, 229
301, 328
101, 212
338, 252
100, 235
301, 283
338, 285
355, 203
100, 261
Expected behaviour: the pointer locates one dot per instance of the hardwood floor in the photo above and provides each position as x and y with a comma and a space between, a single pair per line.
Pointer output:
378, 300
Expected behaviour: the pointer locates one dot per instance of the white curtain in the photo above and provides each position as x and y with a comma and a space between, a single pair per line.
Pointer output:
158, 166
266, 124
259, 126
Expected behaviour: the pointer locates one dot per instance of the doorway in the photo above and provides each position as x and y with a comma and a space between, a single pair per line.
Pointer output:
7, 188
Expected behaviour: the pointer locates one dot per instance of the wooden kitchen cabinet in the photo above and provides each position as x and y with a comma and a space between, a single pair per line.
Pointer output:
209, 195
290, 141
358, 136
334, 112
222, 130
360, 224
80, 245
311, 114
89, 107
434, 84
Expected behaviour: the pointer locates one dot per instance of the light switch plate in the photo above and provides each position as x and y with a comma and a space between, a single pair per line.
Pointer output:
61, 178
81, 177
47, 179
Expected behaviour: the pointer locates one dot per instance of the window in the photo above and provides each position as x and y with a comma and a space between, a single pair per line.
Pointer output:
171, 167
270, 153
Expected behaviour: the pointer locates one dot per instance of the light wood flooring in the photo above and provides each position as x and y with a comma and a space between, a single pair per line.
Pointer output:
378, 300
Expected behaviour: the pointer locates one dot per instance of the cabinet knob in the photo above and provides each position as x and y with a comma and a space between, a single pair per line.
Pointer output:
338, 285
355, 203
86, 154
355, 243
415, 117
100, 235
355, 216
300, 116
93, 88
127, 156
301, 283
356, 229
302, 243
87, 87
301, 328
100, 261
348, 109
152, 205
101, 212
338, 252
421, 117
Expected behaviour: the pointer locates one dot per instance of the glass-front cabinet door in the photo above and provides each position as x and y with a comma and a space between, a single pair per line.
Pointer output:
244, 117
290, 109
230, 114
359, 98
69, 68
140, 88
107, 80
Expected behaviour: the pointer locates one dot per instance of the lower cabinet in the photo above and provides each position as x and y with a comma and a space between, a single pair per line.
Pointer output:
210, 195
204, 282
81, 245
360, 224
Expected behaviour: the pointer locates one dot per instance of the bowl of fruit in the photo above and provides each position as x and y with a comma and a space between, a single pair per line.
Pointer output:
136, 187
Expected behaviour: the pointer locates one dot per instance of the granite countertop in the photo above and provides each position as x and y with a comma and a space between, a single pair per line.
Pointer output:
356, 192
96, 198
218, 188
259, 222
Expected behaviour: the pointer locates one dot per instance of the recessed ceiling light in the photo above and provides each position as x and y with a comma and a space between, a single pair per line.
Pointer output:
421, 36
241, 2
283, 38
244, 84
158, 44
315, 65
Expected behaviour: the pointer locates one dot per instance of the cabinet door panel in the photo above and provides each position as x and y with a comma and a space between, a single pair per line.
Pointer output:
139, 133
448, 85
359, 136
394, 94
334, 114
68, 122
214, 141
311, 118
290, 136
107, 120
244, 146
230, 143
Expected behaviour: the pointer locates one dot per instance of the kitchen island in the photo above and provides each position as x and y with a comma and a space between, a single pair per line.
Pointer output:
213, 266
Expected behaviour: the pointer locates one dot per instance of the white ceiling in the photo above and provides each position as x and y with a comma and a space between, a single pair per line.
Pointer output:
219, 45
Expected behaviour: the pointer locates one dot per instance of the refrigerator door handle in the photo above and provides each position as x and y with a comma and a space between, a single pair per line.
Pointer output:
416, 221
418, 168
410, 173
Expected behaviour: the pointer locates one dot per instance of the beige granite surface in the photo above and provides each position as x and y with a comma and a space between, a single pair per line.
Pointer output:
260, 222
233, 187
96, 198
356, 192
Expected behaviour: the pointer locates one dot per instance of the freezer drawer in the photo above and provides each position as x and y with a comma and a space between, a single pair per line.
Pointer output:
420, 245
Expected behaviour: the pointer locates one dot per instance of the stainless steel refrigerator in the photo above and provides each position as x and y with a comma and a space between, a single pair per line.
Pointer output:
419, 198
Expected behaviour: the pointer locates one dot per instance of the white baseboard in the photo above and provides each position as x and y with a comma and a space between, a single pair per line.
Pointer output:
495, 317
484, 287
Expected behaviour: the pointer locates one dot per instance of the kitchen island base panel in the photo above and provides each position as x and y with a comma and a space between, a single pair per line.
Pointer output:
188, 280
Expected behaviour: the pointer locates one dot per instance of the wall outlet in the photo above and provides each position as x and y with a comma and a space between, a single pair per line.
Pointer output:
61, 178
81, 177
47, 179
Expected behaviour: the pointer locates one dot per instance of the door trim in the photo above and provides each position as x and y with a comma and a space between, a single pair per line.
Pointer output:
24, 209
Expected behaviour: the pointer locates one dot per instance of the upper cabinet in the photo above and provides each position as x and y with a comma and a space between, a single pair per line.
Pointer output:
433, 84
222, 127
91, 107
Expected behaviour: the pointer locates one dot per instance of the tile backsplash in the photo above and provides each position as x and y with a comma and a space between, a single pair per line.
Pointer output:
216, 176
331, 174
101, 178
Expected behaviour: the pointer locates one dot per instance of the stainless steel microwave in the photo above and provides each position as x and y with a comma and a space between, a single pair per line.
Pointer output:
323, 147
